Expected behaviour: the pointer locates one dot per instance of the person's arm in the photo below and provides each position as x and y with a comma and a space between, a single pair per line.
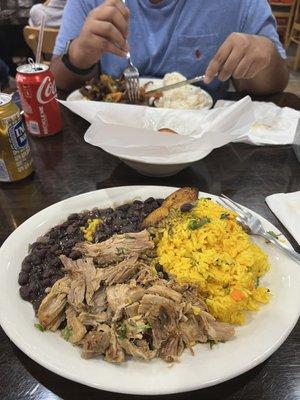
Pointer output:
105, 30
252, 61
253, 57
67, 80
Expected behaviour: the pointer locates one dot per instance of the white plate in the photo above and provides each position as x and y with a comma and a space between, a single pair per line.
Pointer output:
264, 332
76, 95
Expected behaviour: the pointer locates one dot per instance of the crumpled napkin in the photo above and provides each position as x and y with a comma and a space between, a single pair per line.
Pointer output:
273, 125
286, 207
132, 131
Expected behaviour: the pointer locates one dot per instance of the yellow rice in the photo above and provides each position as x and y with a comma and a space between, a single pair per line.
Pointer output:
89, 230
219, 256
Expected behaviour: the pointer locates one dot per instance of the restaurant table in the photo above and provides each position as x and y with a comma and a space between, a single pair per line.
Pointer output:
66, 166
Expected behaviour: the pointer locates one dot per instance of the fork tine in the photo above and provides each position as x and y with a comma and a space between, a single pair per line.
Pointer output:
237, 205
129, 89
233, 207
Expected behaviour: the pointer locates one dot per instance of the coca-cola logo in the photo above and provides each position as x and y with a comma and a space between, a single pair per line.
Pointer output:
47, 91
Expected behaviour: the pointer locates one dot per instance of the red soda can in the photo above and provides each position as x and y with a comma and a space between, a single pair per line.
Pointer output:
38, 95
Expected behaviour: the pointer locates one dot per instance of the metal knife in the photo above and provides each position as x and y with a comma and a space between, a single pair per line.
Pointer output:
177, 85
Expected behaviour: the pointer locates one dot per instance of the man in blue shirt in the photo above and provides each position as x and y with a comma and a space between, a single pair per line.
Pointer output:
232, 38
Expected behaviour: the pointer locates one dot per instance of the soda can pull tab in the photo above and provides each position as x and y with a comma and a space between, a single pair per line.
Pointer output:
32, 64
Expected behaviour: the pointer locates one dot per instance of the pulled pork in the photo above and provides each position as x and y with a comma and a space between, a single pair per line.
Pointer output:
115, 304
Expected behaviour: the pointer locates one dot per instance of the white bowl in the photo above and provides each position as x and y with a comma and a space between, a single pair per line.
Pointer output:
155, 170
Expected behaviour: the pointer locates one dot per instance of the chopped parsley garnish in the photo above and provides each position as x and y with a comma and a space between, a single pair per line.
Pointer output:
66, 333
211, 343
197, 223
126, 236
275, 235
224, 216
256, 282
122, 331
121, 251
143, 328
39, 327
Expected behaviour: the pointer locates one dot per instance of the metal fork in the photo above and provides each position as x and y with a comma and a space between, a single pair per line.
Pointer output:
131, 75
253, 225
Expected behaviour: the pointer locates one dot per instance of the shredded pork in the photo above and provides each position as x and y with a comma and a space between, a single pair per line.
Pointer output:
116, 305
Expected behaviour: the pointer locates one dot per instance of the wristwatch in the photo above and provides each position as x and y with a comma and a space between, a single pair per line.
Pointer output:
65, 59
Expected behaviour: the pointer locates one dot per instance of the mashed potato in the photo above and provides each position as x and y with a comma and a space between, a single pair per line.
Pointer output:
187, 97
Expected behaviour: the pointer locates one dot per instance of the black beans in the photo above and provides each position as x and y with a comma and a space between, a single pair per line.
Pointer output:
159, 267
26, 266
65, 225
186, 207
149, 200
75, 254
54, 248
54, 233
24, 292
35, 260
42, 267
108, 211
72, 229
72, 217
137, 204
23, 278
123, 207
40, 253
160, 270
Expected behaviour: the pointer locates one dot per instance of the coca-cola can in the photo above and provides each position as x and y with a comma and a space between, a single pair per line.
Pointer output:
38, 95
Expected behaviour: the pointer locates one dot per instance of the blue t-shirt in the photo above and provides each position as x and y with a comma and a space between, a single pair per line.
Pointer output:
175, 35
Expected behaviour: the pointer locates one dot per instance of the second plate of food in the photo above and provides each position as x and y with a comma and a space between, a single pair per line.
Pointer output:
187, 97
140, 295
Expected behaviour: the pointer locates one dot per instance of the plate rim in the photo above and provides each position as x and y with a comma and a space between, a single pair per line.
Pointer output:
76, 378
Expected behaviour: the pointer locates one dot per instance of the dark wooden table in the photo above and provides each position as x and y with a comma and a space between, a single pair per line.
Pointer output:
66, 166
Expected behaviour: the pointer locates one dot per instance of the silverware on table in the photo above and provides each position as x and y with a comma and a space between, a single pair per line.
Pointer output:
253, 225
131, 75
177, 85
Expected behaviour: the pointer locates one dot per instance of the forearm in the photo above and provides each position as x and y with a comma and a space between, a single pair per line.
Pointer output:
273, 79
67, 80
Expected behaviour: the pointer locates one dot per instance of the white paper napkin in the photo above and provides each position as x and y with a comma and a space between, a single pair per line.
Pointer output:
273, 124
132, 131
286, 206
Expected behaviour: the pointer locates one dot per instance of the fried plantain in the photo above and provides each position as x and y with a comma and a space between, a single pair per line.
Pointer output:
154, 217
175, 200
180, 197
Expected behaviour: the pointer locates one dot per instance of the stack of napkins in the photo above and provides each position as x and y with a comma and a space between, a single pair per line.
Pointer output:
286, 206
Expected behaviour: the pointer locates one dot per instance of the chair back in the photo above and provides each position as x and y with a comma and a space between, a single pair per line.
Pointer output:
31, 35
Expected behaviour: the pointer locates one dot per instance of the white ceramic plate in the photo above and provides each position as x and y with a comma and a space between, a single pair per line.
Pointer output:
263, 333
76, 95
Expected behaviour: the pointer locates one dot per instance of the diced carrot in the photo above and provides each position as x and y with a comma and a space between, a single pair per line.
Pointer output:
116, 97
237, 295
